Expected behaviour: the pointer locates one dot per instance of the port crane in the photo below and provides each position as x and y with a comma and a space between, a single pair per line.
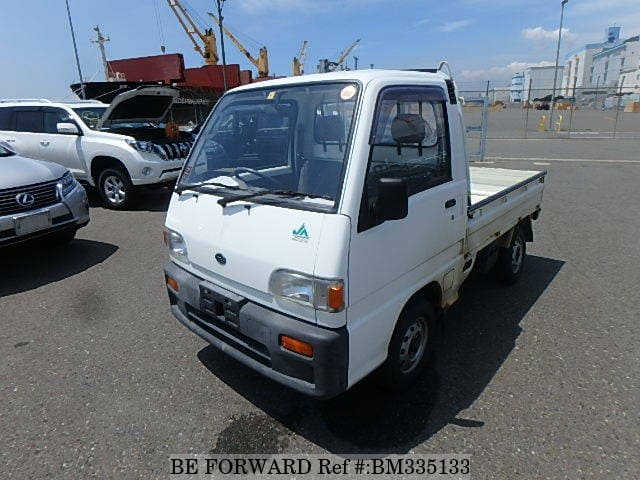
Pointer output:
327, 65
261, 63
209, 49
298, 61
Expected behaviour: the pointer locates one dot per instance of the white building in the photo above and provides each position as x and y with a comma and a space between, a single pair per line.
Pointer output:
578, 67
517, 87
609, 64
539, 80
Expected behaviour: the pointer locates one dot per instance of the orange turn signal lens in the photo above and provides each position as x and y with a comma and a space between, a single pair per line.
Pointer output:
335, 297
173, 284
297, 346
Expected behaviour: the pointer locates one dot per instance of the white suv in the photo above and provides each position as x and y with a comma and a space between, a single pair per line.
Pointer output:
116, 148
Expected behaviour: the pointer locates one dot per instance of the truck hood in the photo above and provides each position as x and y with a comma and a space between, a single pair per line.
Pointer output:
254, 241
17, 171
144, 104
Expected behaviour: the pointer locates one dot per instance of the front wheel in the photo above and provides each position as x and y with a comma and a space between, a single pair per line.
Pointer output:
411, 346
115, 189
511, 259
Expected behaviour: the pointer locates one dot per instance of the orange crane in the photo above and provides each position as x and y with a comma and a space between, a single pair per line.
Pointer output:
298, 62
209, 49
261, 63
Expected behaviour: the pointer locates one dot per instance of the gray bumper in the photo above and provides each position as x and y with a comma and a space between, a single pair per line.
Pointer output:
70, 213
252, 336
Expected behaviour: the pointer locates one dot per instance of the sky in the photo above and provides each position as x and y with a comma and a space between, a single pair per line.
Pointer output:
483, 40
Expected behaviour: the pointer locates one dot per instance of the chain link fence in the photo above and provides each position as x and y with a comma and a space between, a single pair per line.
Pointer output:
577, 113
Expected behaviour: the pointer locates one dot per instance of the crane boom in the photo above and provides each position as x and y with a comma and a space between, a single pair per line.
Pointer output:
337, 63
210, 51
261, 63
298, 62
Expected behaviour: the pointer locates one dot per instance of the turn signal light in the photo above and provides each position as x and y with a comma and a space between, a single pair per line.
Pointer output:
335, 297
297, 346
173, 284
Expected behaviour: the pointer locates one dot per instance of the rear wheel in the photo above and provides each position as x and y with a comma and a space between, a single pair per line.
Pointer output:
411, 346
511, 259
115, 189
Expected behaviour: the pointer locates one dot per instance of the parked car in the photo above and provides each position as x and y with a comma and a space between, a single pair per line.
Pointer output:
38, 199
323, 224
116, 148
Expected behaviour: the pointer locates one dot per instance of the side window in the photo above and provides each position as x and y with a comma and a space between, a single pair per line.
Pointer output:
409, 140
5, 113
28, 121
54, 116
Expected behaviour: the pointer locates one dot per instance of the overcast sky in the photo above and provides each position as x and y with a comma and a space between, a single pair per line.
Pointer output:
482, 39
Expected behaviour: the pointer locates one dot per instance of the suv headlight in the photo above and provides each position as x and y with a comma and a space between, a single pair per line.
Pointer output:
176, 245
148, 147
319, 293
66, 184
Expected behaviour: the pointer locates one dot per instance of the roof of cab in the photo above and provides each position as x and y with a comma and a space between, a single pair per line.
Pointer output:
364, 76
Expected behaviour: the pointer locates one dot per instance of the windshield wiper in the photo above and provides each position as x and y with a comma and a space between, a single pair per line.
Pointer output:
198, 187
283, 193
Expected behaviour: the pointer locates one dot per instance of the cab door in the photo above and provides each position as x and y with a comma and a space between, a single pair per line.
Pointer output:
391, 259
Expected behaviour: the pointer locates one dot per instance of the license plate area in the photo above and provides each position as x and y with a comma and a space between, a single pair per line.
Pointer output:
221, 304
26, 224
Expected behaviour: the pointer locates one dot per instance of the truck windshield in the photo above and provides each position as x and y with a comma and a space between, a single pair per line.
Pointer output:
290, 139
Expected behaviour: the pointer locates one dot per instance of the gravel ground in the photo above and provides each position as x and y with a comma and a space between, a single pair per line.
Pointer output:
538, 380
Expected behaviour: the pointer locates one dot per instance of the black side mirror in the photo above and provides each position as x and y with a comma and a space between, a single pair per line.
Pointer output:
393, 199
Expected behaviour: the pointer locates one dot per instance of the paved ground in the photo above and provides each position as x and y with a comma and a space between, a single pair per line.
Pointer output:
540, 380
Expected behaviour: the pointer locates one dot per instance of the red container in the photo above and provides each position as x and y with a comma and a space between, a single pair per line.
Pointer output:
245, 77
210, 76
156, 68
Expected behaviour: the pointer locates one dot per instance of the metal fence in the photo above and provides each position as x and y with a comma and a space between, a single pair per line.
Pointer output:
585, 113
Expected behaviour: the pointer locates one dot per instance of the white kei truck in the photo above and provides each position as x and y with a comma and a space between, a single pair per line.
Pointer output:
323, 224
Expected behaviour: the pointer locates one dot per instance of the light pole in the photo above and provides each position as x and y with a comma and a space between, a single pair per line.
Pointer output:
224, 58
555, 73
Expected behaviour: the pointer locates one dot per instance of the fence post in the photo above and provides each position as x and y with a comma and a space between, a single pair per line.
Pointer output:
615, 125
528, 104
572, 106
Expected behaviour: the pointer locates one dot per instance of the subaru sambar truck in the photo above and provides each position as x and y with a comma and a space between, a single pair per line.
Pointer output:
323, 223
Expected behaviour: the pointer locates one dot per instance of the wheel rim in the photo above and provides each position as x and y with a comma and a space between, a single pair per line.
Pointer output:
413, 346
517, 254
114, 190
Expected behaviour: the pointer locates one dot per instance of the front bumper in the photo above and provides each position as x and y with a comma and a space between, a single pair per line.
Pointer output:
253, 338
71, 212
150, 169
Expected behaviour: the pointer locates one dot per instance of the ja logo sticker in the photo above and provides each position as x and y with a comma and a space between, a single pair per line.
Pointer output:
300, 234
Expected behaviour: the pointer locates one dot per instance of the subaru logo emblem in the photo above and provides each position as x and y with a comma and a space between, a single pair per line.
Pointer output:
25, 199
220, 258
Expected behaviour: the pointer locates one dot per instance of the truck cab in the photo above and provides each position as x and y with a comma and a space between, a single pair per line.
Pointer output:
322, 224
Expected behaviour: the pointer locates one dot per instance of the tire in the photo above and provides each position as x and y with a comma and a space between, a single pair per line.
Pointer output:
63, 237
115, 189
511, 260
411, 347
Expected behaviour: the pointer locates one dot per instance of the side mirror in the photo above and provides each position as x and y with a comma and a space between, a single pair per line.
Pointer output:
393, 199
68, 129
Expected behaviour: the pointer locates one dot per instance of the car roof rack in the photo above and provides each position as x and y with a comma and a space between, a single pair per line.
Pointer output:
25, 100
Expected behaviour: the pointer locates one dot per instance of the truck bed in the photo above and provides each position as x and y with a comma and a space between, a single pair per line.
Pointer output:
499, 199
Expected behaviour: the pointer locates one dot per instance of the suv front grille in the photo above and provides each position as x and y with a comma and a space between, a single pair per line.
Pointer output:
44, 194
176, 150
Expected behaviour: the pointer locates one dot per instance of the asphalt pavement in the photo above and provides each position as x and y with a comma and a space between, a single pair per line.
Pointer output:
538, 380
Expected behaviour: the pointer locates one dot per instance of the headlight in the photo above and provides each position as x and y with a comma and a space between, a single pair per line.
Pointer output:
149, 147
176, 245
319, 293
66, 184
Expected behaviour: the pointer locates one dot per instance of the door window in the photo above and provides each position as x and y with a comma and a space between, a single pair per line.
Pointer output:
29, 121
54, 116
409, 140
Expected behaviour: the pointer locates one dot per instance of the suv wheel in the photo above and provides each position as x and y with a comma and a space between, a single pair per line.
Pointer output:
115, 189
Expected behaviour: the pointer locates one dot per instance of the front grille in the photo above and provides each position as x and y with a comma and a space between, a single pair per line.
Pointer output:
45, 194
177, 150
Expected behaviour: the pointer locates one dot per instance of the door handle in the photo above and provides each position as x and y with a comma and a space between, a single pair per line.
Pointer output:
450, 203
44, 143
